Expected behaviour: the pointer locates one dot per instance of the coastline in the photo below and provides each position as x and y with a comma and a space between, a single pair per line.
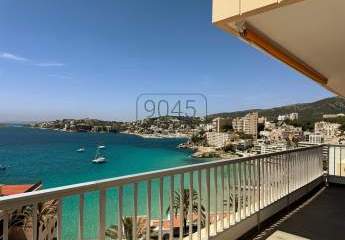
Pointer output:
69, 131
143, 135
157, 135
211, 153
199, 152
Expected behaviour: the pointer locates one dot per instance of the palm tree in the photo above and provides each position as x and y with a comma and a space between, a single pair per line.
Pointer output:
127, 229
24, 218
234, 200
45, 212
185, 195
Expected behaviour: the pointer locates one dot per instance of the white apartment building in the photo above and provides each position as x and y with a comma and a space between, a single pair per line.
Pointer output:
281, 132
316, 138
265, 134
217, 139
289, 116
327, 116
270, 125
206, 127
270, 148
218, 123
247, 124
326, 128
262, 120
325, 132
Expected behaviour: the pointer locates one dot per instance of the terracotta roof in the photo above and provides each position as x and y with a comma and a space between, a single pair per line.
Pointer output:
166, 222
6, 190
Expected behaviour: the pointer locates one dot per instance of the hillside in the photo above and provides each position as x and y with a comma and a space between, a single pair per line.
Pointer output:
308, 112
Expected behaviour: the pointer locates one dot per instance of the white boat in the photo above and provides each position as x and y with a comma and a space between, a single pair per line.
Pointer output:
81, 149
99, 158
101, 147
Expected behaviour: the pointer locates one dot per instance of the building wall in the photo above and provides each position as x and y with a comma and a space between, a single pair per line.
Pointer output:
333, 115
247, 124
216, 139
326, 128
289, 116
219, 123
270, 148
316, 138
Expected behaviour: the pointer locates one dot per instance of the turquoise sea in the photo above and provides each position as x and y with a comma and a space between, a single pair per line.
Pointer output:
50, 156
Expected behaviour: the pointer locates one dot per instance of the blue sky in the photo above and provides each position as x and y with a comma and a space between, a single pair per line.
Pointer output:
86, 58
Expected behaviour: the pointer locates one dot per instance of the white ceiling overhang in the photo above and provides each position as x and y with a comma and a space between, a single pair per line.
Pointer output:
308, 35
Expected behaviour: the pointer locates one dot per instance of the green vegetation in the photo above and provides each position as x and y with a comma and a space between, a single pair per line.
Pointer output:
199, 139
227, 128
309, 125
21, 220
229, 148
245, 136
81, 125
261, 127
127, 229
192, 122
305, 125
185, 195
308, 113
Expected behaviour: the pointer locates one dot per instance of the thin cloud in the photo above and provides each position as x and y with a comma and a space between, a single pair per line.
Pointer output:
10, 56
14, 57
49, 64
60, 76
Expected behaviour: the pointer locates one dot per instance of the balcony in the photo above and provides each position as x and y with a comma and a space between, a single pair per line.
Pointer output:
215, 200
318, 218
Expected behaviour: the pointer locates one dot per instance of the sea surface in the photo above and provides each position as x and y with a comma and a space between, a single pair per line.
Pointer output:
50, 156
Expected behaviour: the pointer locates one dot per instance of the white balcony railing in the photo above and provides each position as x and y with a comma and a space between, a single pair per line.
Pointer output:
224, 194
336, 163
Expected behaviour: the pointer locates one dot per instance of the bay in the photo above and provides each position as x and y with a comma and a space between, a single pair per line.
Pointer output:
50, 156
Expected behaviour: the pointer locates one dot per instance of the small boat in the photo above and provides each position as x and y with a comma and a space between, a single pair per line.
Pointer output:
99, 158
101, 147
81, 149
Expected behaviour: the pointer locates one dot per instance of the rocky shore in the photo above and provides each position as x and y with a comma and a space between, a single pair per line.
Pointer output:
157, 135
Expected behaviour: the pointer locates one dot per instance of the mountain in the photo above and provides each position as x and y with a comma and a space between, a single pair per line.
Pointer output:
307, 112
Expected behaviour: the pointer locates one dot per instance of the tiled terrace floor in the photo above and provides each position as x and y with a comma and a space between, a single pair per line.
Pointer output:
323, 218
